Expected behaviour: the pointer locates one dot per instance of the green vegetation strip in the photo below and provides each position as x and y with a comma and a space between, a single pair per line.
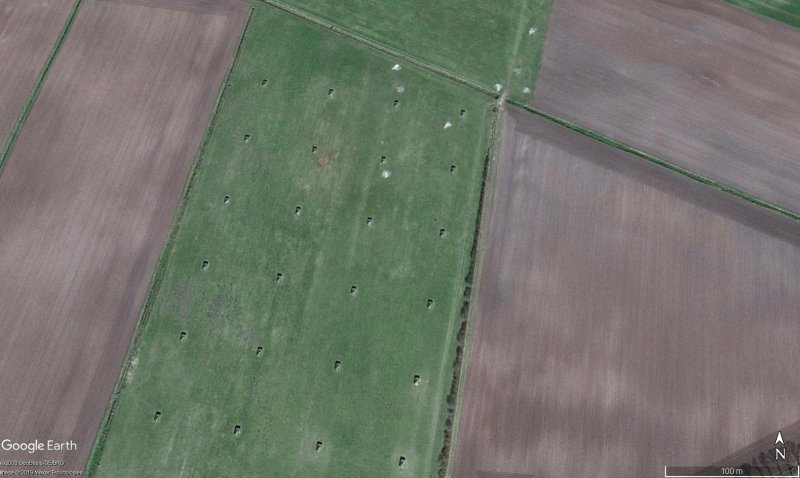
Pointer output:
467, 312
156, 281
526, 55
37, 86
306, 312
779, 10
666, 164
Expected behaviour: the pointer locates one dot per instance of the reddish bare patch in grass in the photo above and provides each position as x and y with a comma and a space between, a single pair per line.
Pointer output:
327, 158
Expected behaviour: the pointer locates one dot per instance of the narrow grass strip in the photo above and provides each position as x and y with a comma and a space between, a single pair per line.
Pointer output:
481, 237
467, 312
661, 162
158, 275
383, 48
528, 48
37, 86
544, 28
767, 10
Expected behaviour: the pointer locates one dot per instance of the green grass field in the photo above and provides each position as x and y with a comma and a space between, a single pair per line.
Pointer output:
487, 42
290, 208
786, 11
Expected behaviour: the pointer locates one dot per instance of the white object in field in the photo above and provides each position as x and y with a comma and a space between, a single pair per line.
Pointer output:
532, 31
386, 174
401, 89
498, 87
448, 125
396, 67
526, 90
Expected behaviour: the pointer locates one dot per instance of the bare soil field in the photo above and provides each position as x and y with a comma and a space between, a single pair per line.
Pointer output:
628, 317
86, 201
28, 32
700, 83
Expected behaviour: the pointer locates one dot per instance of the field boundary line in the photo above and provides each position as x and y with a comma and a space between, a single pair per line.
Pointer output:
471, 287
37, 86
163, 261
375, 45
720, 186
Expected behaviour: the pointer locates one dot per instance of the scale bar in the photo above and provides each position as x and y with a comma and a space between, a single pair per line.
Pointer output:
728, 472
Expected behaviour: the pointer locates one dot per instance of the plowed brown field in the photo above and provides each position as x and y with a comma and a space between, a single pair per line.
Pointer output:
86, 201
28, 32
701, 83
628, 317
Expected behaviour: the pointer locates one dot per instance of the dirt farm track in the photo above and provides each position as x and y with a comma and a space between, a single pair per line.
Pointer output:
628, 317
87, 197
